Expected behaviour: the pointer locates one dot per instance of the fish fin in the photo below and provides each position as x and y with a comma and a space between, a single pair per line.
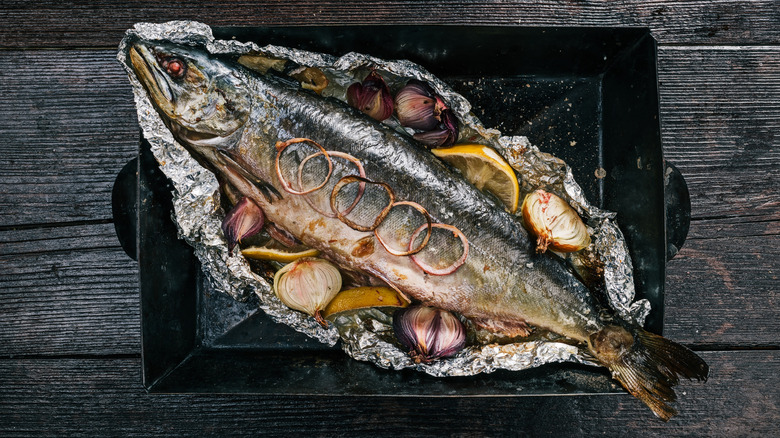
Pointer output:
269, 192
647, 365
389, 283
398, 290
514, 329
232, 173
281, 235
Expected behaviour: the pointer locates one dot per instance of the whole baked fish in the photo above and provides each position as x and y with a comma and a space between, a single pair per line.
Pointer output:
347, 185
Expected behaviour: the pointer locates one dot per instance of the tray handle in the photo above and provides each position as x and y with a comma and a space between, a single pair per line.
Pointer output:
124, 206
678, 209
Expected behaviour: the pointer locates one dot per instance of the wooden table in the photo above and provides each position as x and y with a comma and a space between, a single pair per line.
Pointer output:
69, 300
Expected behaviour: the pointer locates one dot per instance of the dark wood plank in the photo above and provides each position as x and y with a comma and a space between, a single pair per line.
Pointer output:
719, 119
102, 24
69, 397
717, 127
68, 125
736, 227
71, 290
67, 290
722, 291
728, 268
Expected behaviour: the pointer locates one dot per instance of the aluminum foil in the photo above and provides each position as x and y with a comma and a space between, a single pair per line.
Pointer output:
367, 334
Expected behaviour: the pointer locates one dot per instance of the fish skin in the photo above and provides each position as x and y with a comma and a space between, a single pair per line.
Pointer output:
496, 239
503, 282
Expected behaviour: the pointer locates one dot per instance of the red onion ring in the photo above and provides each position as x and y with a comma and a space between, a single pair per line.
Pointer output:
352, 178
411, 251
281, 146
337, 154
450, 269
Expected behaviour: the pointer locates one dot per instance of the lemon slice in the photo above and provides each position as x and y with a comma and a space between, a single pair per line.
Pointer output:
362, 297
484, 168
278, 254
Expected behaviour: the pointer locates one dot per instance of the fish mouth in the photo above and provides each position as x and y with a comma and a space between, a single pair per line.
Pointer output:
164, 95
195, 137
152, 78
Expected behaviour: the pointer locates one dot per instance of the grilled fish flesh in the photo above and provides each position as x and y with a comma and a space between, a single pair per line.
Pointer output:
345, 184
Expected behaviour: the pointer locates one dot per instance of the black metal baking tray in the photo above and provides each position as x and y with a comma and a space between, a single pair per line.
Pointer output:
586, 95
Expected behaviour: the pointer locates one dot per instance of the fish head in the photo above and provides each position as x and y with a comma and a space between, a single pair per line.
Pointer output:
202, 100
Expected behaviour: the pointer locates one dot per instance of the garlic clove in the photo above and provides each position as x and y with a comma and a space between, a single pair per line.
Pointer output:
308, 285
244, 220
555, 224
429, 333
372, 97
416, 106
445, 134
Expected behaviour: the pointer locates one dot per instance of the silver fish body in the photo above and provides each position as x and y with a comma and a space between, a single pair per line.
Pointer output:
502, 280
236, 122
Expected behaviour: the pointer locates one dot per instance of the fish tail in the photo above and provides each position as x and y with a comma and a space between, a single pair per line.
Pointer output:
647, 365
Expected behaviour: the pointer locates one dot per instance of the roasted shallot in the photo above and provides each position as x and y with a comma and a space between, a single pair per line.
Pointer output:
308, 285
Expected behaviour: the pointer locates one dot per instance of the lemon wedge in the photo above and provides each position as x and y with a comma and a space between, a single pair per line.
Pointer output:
278, 253
363, 297
486, 169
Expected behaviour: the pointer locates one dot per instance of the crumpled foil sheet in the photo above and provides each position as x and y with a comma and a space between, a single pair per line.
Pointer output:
367, 334
542, 170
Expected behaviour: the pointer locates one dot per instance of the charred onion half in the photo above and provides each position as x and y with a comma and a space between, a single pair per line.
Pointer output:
554, 223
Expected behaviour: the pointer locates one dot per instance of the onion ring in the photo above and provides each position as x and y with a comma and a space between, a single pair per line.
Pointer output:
281, 146
450, 269
429, 225
348, 157
352, 178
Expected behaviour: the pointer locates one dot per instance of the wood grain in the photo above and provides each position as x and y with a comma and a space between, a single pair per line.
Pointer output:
101, 24
720, 127
722, 291
67, 135
67, 397
68, 125
67, 290
71, 290
730, 256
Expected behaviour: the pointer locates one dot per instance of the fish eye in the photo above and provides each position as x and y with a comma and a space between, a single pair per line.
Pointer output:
175, 67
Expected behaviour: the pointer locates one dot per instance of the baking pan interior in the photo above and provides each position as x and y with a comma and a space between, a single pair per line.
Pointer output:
586, 95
